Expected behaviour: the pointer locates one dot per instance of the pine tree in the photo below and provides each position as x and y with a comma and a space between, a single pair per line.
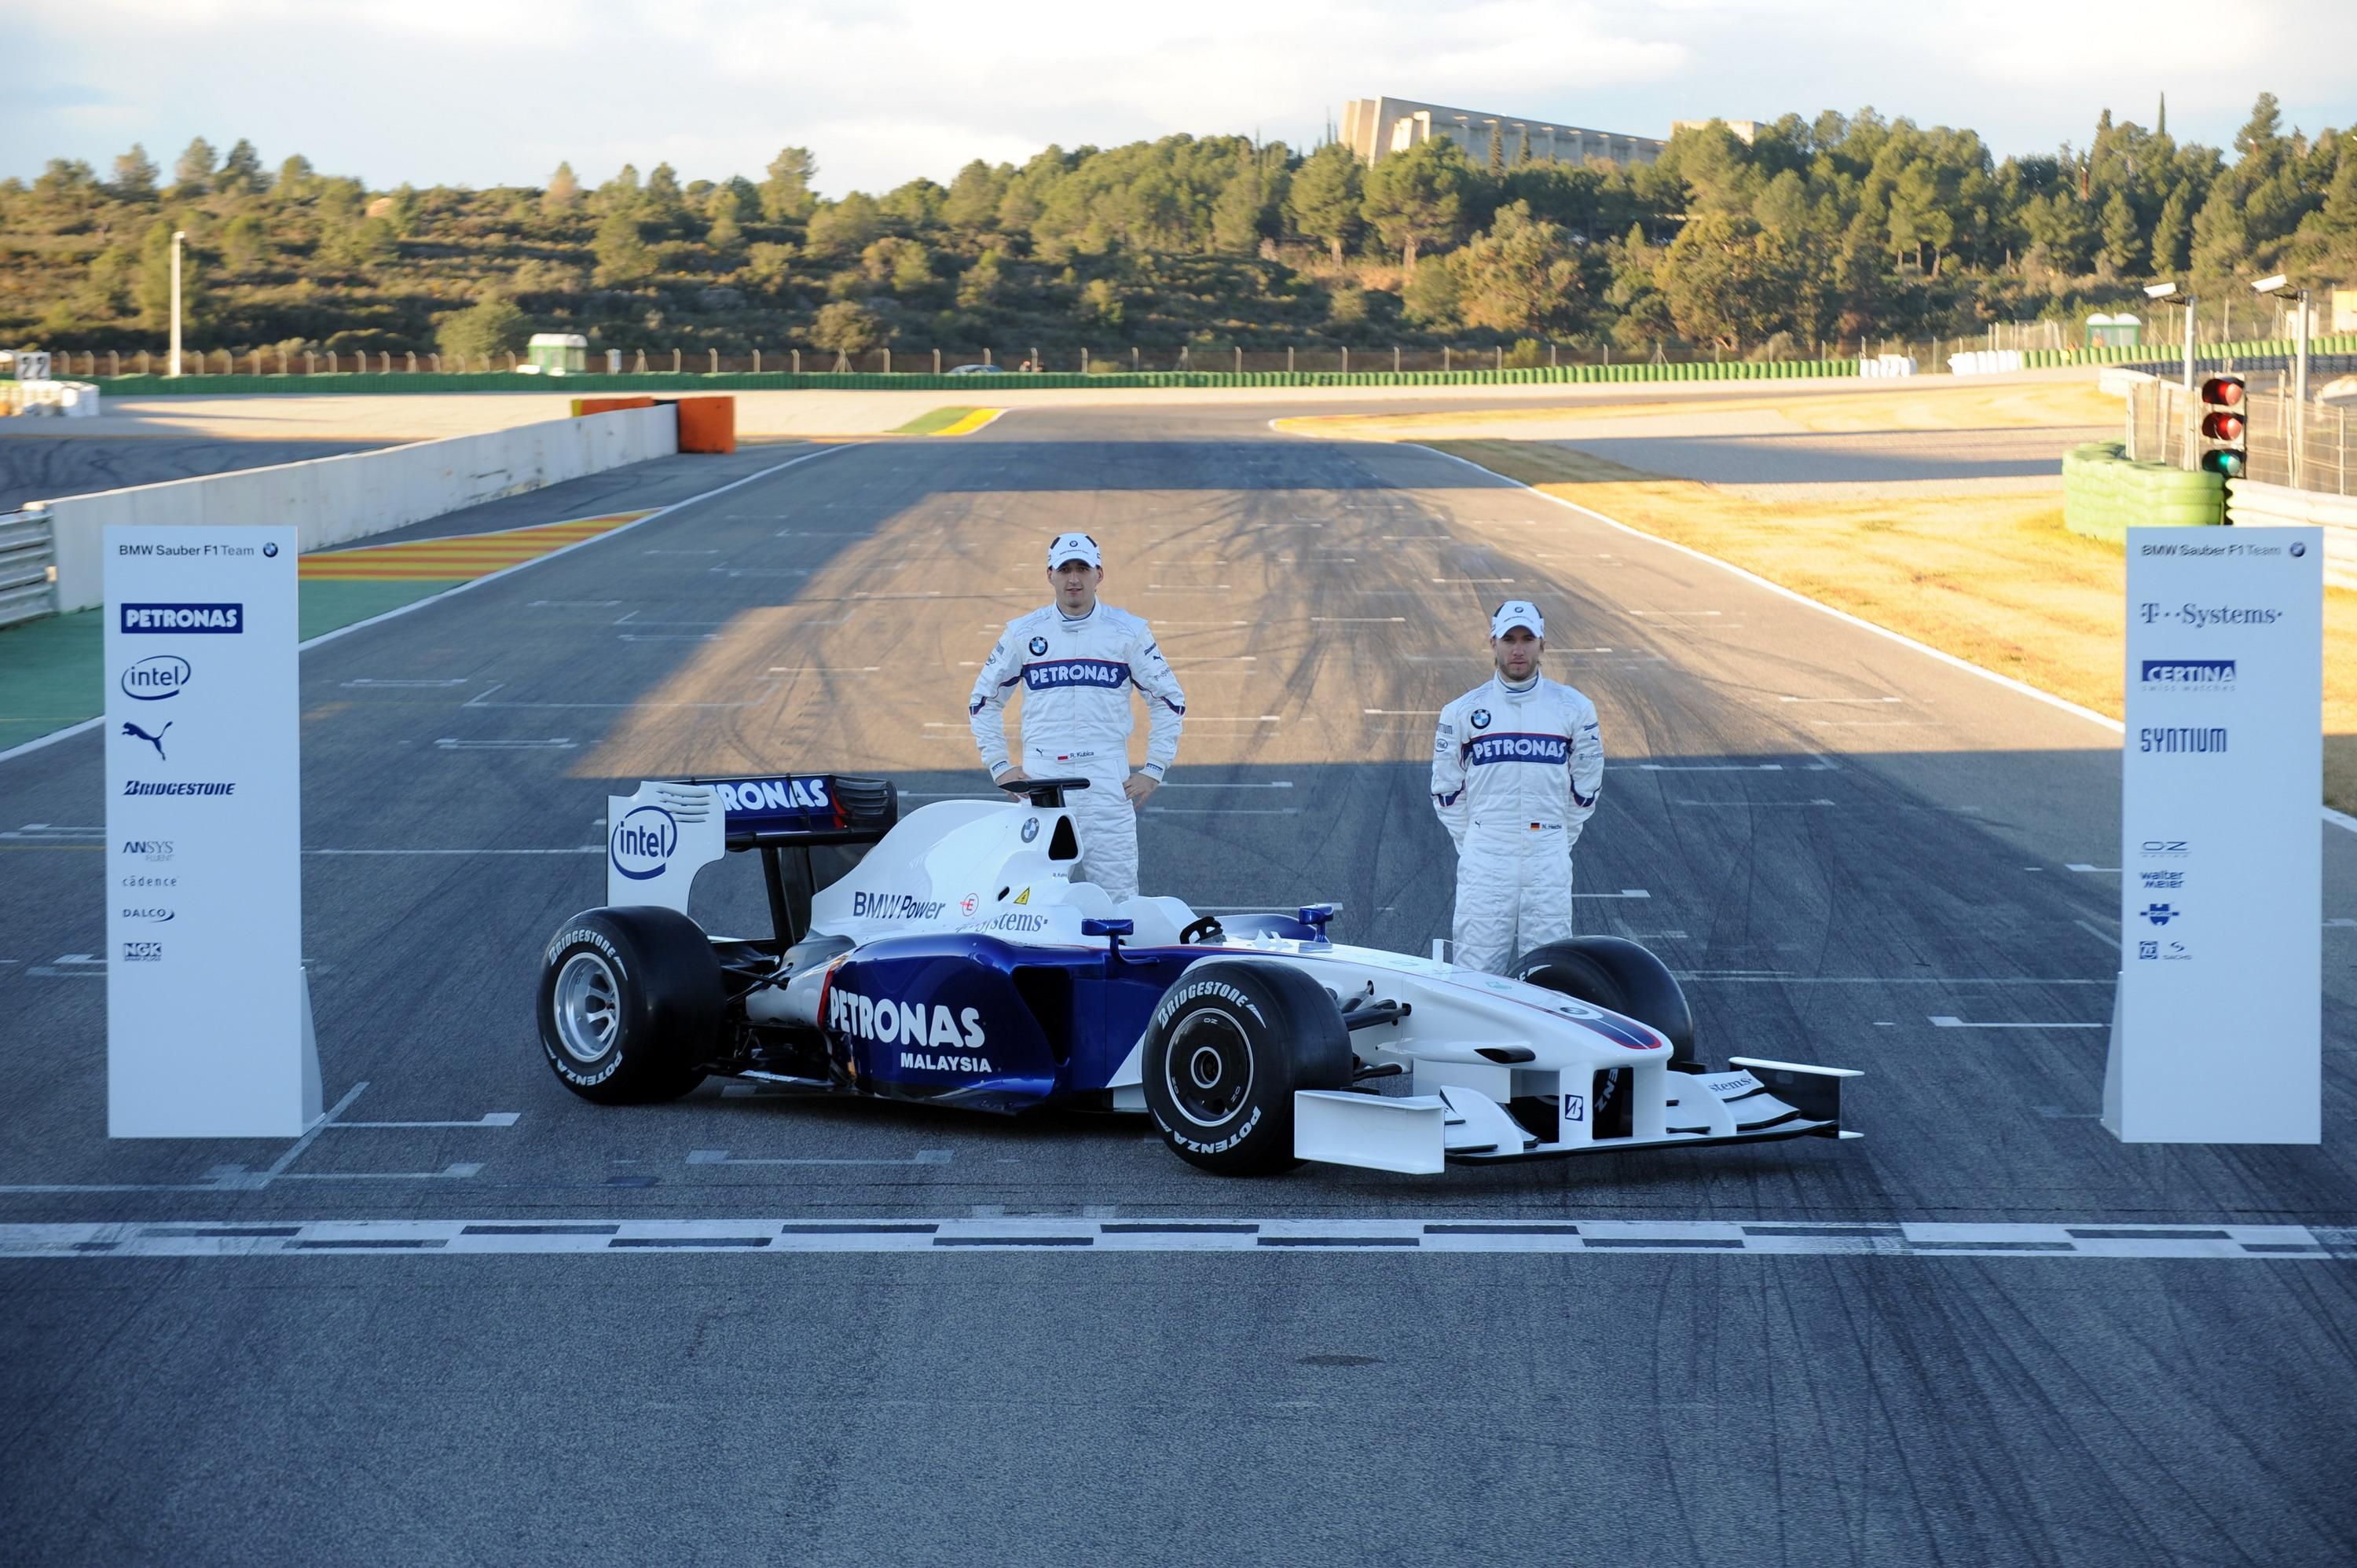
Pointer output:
1497, 149
564, 192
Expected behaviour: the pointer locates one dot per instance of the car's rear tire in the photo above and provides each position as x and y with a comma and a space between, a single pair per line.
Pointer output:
1229, 1045
631, 1005
1620, 975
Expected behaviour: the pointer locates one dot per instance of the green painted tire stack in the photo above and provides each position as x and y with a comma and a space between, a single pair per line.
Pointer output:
2104, 494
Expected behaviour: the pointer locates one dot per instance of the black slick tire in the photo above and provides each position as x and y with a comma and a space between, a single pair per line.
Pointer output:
1620, 976
1229, 1045
631, 1005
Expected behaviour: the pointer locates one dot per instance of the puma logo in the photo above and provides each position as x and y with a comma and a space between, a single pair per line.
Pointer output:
156, 740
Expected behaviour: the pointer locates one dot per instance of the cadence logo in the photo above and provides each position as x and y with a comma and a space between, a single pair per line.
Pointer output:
910, 1024
156, 677
216, 618
641, 842
2188, 675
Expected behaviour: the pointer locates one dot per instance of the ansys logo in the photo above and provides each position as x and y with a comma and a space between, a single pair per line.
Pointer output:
641, 843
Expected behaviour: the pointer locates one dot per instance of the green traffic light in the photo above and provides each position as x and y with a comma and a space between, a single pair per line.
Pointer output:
2227, 462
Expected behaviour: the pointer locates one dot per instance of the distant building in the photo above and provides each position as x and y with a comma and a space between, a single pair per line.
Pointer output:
1374, 127
1743, 129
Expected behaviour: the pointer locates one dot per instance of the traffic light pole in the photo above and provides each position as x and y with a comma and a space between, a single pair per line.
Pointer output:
2299, 399
2192, 415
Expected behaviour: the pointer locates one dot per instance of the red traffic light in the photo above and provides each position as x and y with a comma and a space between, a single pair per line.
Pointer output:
2223, 426
2226, 392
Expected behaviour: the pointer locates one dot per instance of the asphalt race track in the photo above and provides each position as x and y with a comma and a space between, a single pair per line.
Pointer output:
476, 1319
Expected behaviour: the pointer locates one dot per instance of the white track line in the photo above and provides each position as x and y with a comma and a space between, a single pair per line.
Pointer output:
55, 735
942, 1237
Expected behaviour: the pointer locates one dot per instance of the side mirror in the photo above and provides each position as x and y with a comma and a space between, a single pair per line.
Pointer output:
1315, 916
1107, 927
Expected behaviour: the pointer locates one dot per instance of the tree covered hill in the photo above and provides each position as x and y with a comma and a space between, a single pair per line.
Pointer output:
1818, 232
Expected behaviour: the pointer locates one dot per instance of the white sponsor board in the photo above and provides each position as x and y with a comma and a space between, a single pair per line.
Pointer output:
2216, 1036
207, 1018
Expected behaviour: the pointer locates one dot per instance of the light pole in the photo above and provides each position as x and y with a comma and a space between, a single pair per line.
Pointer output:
2279, 284
2166, 293
178, 235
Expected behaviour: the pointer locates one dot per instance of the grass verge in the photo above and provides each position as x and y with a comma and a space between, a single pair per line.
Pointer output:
937, 422
1994, 579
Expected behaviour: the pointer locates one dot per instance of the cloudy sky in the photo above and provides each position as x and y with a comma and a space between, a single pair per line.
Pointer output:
492, 91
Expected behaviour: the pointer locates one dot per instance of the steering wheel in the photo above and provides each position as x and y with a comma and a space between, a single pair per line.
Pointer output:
1206, 929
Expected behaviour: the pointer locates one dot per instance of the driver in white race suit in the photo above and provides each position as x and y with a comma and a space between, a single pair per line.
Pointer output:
1075, 659
1516, 768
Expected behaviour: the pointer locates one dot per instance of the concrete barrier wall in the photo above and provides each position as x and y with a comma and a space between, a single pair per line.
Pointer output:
332, 500
2279, 506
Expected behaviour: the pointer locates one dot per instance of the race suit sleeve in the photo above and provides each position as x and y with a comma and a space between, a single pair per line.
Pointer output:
1448, 802
1587, 767
1166, 704
987, 710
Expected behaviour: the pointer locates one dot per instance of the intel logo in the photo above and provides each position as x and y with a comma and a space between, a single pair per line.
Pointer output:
642, 841
156, 677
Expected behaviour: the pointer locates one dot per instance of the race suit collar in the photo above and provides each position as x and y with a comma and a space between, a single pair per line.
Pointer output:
1073, 620
1525, 690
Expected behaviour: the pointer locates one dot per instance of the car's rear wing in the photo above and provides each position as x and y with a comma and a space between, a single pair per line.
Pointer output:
781, 809
660, 837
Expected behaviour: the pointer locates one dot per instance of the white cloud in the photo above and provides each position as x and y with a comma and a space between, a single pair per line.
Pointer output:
483, 91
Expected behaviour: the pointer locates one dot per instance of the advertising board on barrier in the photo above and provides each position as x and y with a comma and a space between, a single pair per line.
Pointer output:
2217, 1032
207, 1018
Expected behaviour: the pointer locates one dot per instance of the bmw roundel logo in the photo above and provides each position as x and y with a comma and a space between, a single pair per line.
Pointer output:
2297, 548
1480, 718
1039, 646
270, 550
1030, 828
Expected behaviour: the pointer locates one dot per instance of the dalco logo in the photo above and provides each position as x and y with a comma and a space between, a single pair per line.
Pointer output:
641, 842
155, 678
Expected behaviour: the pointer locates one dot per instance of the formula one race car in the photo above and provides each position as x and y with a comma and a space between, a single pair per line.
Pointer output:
958, 963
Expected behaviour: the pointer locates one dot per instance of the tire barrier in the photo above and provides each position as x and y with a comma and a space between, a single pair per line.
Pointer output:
2253, 505
2104, 494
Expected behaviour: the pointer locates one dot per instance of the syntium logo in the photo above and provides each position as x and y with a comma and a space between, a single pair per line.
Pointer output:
1548, 749
2181, 739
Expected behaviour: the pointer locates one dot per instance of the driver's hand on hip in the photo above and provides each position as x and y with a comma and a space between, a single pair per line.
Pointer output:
1138, 786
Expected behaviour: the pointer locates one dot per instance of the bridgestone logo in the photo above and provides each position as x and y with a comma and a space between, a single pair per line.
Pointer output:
1218, 988
1201, 1147
134, 787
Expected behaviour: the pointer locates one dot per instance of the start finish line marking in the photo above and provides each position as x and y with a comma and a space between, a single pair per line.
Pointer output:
449, 1238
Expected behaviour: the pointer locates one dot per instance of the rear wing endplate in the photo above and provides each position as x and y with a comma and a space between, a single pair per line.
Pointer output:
658, 838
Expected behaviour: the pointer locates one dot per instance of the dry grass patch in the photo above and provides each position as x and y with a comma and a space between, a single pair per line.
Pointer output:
1994, 579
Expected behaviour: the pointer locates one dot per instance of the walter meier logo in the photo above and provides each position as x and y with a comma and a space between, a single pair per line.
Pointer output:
2188, 675
215, 618
641, 842
155, 678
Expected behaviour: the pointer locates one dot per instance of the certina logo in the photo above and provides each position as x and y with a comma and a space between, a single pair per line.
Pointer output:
641, 842
776, 795
893, 906
1039, 646
2201, 617
2181, 740
142, 787
156, 677
1552, 749
912, 1024
1101, 674
154, 849
184, 617
157, 915
2189, 674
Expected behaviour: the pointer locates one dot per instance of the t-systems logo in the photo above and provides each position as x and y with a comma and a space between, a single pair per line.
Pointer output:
155, 678
216, 619
2188, 675
641, 842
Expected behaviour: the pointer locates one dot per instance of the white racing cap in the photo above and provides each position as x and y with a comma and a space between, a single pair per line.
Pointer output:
1073, 547
1518, 613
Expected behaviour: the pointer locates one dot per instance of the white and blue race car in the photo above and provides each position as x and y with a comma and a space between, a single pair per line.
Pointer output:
960, 963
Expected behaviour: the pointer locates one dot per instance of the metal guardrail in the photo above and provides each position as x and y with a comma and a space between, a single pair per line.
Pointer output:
28, 569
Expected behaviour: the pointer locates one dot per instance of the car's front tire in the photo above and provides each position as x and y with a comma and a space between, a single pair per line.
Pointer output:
631, 1005
1230, 1044
1620, 976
